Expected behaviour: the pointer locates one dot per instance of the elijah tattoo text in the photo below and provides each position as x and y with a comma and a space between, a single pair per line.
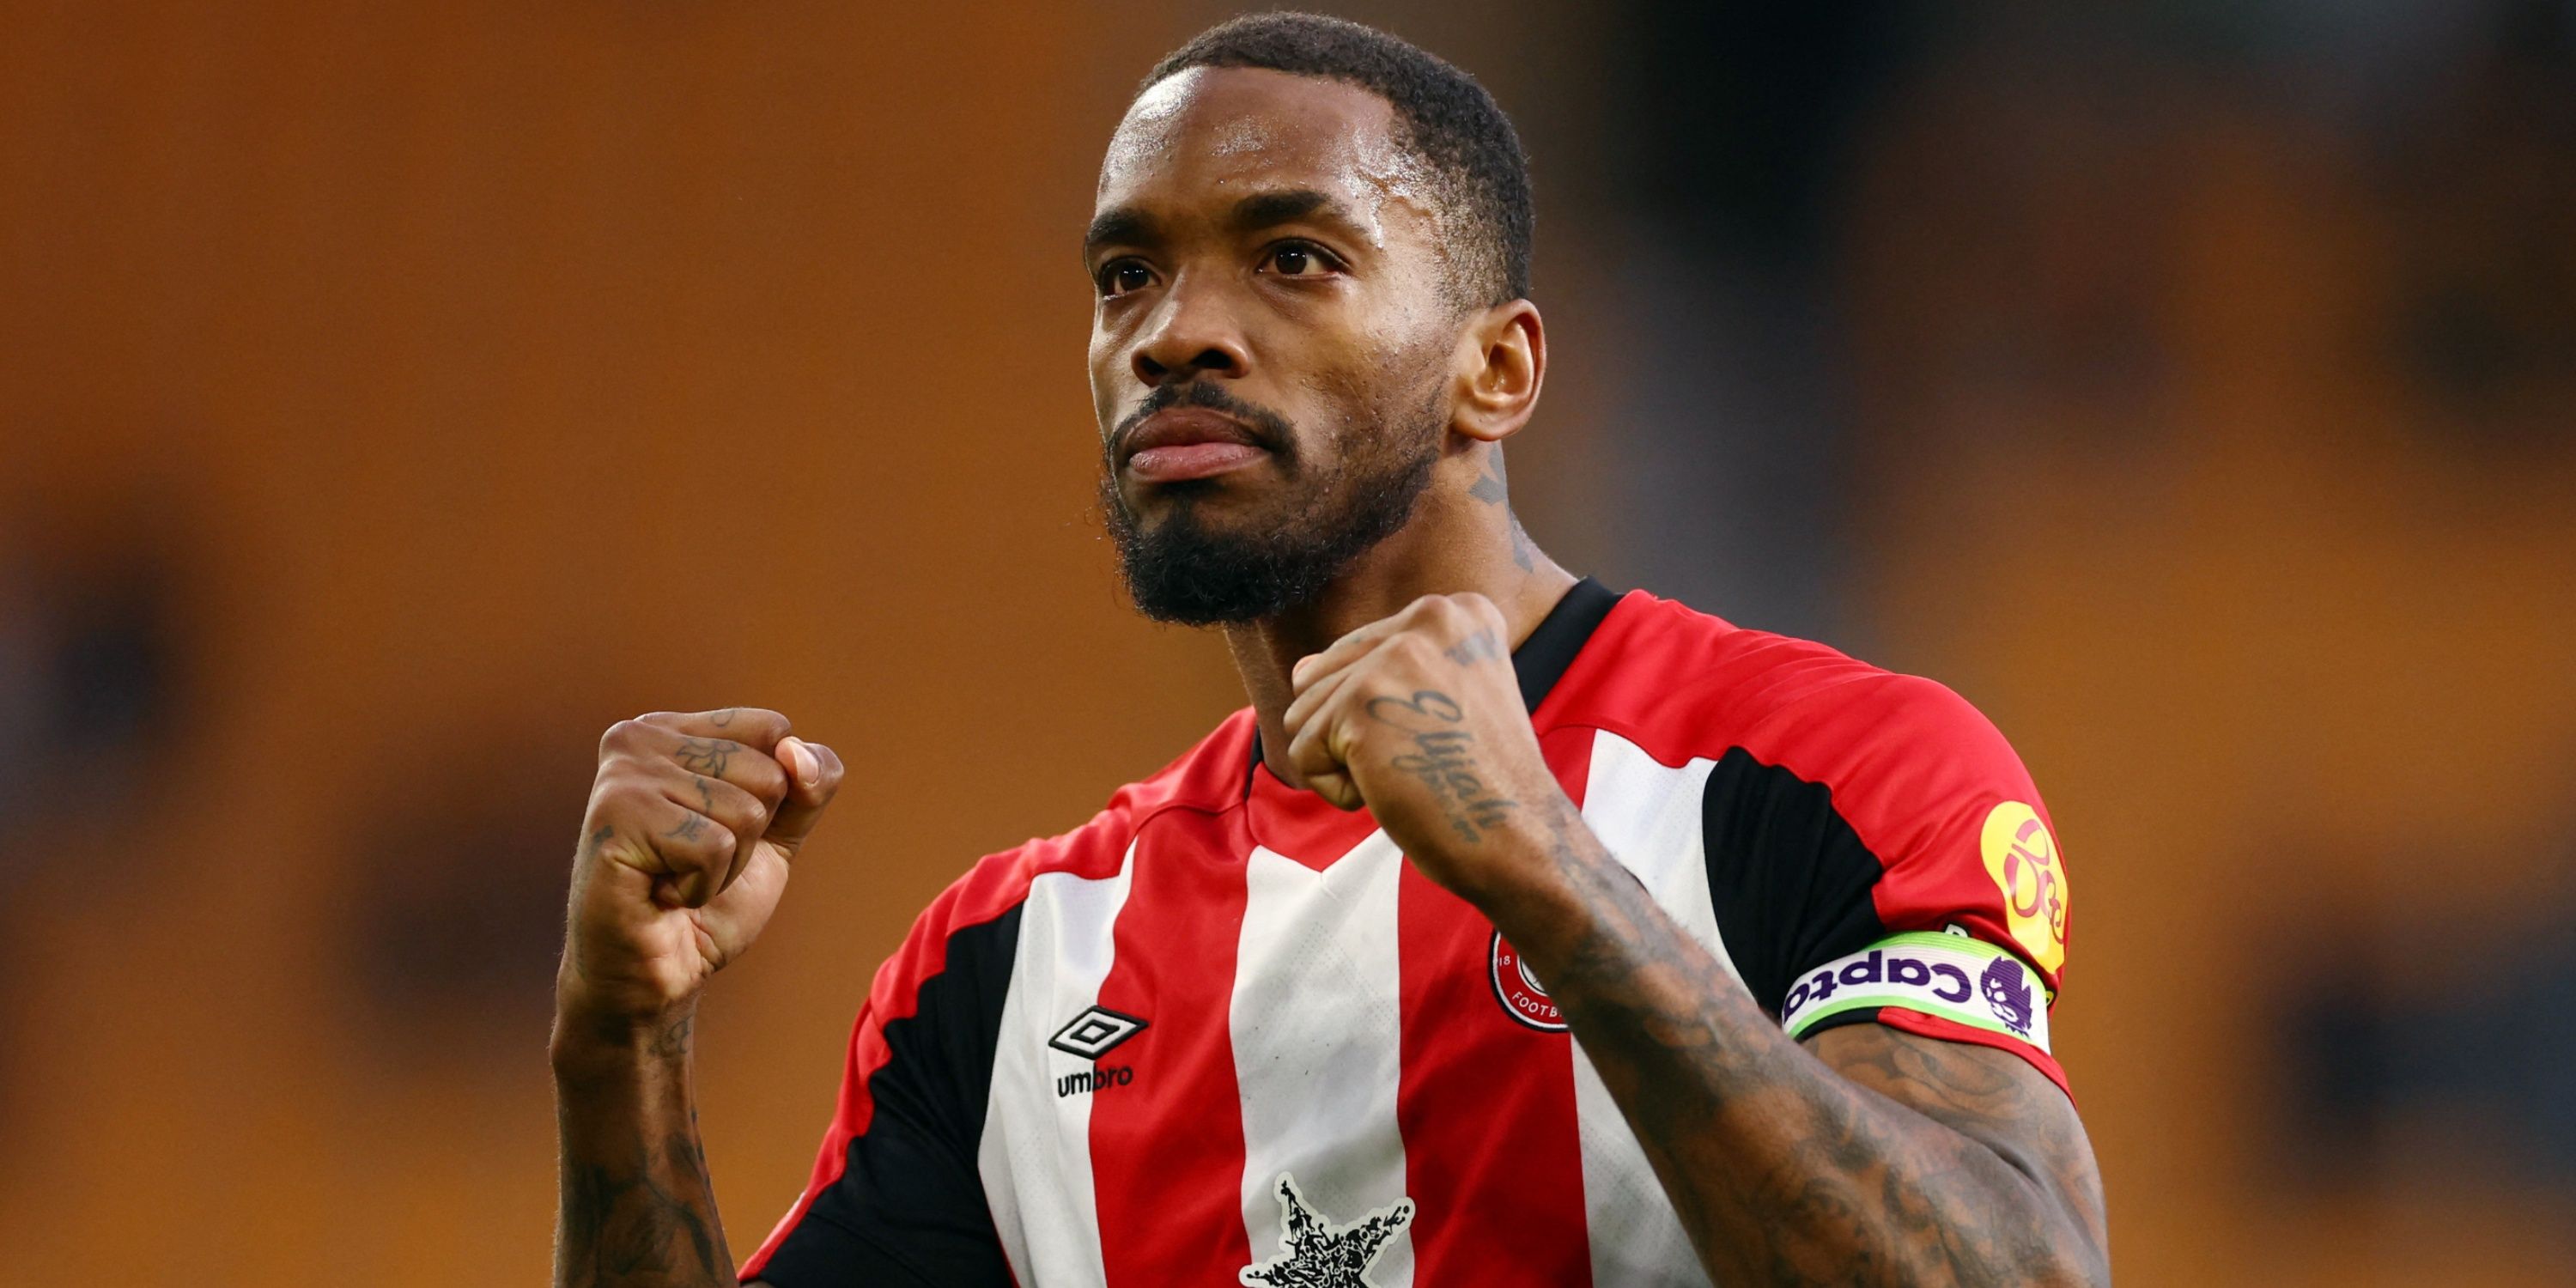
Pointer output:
1444, 760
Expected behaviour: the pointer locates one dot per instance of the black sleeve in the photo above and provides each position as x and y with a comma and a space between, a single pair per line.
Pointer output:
1790, 879
908, 1208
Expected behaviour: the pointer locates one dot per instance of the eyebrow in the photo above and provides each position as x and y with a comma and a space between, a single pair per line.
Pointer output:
1118, 224
1129, 225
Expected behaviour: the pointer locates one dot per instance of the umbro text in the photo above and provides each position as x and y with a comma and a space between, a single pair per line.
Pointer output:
1099, 1079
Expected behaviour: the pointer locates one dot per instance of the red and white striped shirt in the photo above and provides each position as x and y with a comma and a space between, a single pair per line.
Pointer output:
1225, 1033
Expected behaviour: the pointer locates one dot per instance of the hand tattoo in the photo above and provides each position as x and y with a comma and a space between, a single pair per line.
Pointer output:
696, 823
706, 755
1482, 646
1444, 760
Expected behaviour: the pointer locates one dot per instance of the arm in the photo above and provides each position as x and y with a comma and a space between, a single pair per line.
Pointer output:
685, 850
635, 1204
1869, 1157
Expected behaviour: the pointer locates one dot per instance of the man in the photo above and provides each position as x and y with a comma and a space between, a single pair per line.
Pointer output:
1519, 933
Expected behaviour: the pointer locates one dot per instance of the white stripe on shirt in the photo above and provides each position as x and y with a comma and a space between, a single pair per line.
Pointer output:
1647, 814
1317, 1032
1036, 1153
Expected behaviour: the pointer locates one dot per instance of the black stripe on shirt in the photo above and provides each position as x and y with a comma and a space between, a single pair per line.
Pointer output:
909, 1208
1790, 878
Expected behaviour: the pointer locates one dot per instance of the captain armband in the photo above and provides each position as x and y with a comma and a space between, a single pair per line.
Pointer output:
1965, 980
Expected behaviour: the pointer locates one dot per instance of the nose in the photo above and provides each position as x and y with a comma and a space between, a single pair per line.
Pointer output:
1192, 332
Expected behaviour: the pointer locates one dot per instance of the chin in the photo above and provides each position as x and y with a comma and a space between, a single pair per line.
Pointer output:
1225, 501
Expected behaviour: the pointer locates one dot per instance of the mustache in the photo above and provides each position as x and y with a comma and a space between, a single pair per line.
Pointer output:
1270, 430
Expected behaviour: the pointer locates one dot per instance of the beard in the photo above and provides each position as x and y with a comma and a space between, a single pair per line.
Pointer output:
1190, 571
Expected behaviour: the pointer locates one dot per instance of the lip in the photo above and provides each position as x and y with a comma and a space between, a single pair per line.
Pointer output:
1185, 443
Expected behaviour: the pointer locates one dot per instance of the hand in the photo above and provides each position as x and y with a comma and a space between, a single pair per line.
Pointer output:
684, 852
1419, 717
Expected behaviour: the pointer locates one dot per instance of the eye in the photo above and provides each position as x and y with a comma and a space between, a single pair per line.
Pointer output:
1299, 259
1119, 276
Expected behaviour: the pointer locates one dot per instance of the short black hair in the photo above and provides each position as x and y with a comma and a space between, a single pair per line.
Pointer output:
1442, 115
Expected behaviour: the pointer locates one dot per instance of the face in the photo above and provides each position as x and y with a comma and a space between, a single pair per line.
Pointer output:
1272, 340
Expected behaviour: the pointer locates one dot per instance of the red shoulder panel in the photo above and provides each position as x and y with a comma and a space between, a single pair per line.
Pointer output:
1926, 781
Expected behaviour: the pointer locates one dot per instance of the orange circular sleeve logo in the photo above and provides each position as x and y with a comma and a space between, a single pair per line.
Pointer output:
2022, 858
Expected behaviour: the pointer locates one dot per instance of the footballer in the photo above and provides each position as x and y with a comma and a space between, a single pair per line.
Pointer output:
1520, 931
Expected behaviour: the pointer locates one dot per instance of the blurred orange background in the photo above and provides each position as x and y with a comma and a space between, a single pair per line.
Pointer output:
392, 399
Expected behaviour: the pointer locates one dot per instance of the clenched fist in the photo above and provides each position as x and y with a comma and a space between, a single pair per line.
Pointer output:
1419, 717
683, 854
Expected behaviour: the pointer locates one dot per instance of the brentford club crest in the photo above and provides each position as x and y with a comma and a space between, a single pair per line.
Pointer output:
1519, 991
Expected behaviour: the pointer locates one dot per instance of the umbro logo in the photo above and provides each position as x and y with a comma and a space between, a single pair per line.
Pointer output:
1095, 1032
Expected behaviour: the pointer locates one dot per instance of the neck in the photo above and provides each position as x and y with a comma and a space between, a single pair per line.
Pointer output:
1458, 542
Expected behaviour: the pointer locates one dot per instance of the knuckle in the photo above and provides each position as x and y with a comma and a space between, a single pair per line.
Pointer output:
621, 736
618, 796
768, 786
699, 850
720, 843
758, 725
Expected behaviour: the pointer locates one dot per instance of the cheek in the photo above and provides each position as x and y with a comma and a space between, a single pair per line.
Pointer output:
1107, 377
1381, 390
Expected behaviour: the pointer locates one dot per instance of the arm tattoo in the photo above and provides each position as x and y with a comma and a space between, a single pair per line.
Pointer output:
673, 1042
1923, 1162
648, 1218
1444, 760
706, 755
637, 1206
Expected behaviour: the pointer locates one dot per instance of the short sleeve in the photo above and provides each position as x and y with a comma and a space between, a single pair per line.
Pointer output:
1890, 860
895, 1197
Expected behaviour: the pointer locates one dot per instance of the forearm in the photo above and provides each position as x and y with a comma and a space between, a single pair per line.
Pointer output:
1781, 1169
636, 1206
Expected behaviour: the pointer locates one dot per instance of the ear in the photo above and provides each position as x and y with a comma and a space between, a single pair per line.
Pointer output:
1501, 362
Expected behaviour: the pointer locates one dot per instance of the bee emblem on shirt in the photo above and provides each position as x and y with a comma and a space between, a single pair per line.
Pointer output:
1315, 1253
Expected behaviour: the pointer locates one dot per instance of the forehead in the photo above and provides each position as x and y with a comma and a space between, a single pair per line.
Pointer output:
1214, 134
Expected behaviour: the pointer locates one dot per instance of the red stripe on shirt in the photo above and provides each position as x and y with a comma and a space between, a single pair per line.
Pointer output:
1204, 777
1493, 1156
1167, 1149
992, 887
